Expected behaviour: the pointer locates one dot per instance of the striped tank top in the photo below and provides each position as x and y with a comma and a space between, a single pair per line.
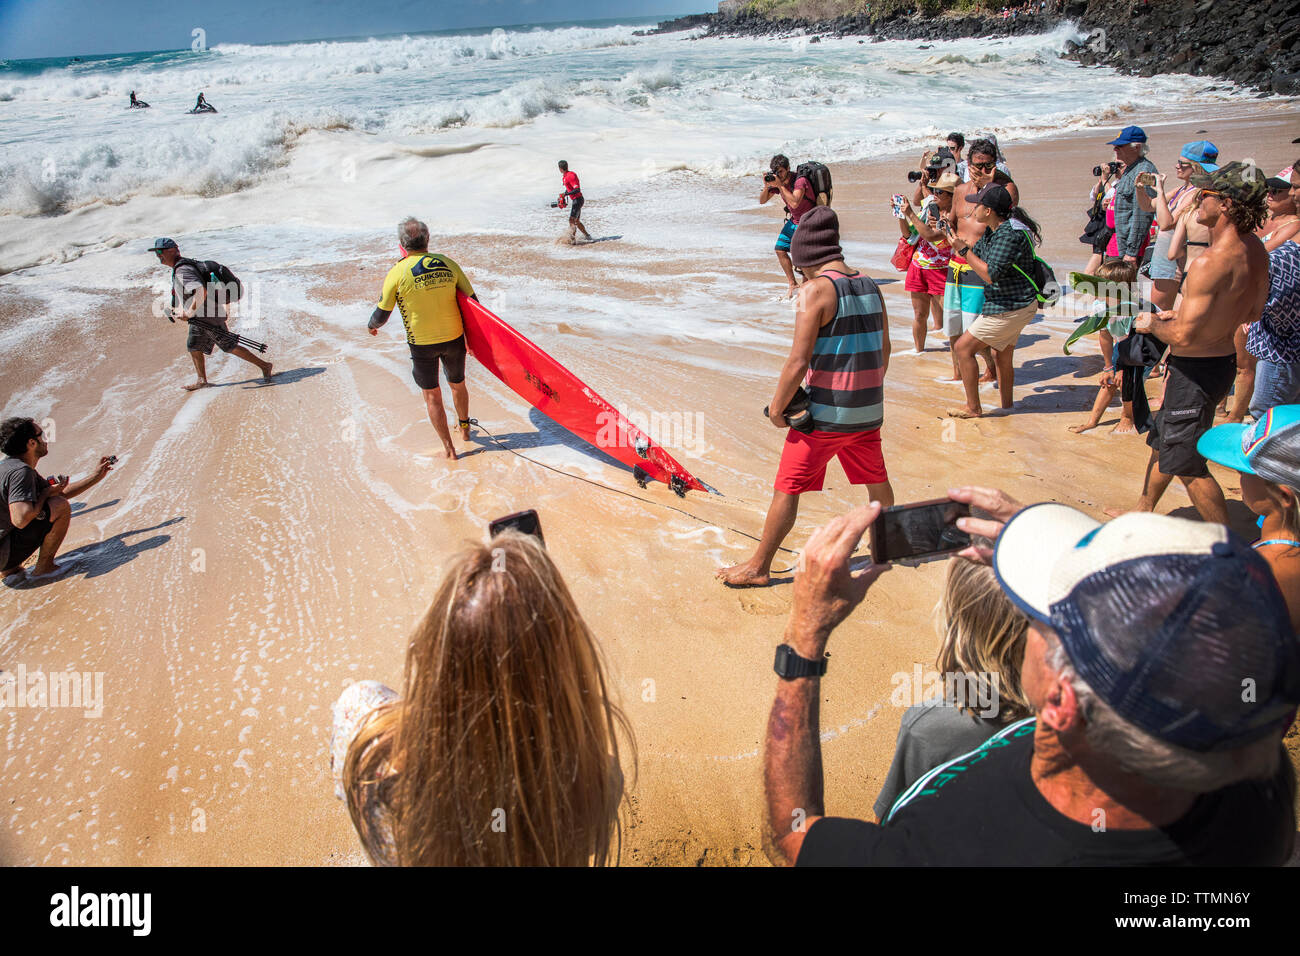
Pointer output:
846, 375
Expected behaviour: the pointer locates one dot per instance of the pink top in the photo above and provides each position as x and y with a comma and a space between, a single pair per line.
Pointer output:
809, 199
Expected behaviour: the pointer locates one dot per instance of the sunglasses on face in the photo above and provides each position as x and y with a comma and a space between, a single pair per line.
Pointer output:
1182, 165
984, 167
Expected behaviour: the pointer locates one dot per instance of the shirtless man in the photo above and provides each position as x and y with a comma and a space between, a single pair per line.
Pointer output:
1226, 286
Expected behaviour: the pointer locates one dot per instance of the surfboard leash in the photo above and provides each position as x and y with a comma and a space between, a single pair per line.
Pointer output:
628, 494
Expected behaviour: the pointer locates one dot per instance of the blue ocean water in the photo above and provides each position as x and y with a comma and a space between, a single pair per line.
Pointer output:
338, 131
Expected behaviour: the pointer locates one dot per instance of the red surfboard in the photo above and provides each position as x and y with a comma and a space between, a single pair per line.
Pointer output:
557, 393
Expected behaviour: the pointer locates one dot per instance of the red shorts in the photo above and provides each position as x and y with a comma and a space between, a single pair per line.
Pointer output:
805, 456
929, 281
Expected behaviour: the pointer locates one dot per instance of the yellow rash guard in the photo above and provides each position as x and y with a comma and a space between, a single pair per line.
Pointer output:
423, 287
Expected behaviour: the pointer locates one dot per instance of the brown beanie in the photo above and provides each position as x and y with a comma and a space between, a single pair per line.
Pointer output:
817, 238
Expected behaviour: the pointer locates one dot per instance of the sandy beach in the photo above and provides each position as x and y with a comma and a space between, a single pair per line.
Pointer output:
260, 547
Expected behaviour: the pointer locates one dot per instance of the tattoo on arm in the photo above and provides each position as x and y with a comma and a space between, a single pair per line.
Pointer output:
793, 763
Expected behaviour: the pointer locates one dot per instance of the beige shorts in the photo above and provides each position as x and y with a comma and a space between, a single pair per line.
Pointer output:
1002, 329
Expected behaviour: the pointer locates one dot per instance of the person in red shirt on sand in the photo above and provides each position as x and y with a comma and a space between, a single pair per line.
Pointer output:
573, 195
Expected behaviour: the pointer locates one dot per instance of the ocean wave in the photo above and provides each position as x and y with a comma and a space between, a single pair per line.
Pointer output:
195, 157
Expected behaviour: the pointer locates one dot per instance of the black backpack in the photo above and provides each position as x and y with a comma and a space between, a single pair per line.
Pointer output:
820, 177
215, 274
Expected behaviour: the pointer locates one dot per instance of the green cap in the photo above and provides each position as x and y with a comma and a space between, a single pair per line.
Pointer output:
1240, 182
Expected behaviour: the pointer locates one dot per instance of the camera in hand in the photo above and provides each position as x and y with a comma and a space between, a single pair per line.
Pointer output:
798, 414
1112, 166
769, 177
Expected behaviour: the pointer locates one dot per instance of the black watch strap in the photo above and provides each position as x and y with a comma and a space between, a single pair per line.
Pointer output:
789, 665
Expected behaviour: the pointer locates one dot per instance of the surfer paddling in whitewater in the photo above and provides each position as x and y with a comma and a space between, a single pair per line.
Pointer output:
841, 351
423, 287
572, 196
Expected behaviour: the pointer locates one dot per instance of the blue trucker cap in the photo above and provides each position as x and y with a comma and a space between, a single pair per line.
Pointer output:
1167, 620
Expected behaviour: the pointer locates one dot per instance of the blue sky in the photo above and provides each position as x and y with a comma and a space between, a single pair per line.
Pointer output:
32, 29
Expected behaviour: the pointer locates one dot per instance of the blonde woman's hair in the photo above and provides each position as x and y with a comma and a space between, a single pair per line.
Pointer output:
983, 633
504, 748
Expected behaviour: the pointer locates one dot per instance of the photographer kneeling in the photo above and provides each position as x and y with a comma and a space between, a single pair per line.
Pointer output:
1142, 753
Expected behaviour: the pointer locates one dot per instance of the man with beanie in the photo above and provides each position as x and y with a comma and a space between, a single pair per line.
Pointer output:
1163, 672
1227, 285
1003, 258
841, 352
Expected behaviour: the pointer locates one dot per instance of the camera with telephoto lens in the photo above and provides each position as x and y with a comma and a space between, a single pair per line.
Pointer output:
769, 177
941, 160
1112, 166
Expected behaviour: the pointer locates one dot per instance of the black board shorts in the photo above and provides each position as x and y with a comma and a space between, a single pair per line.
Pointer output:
204, 339
575, 209
1193, 390
21, 543
425, 358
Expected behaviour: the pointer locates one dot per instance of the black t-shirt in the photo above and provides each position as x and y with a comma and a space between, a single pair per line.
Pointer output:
983, 809
18, 482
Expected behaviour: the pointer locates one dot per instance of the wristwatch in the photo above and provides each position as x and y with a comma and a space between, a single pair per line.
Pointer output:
789, 665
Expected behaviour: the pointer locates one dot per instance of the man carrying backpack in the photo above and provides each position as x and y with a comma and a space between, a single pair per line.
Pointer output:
190, 300
1001, 253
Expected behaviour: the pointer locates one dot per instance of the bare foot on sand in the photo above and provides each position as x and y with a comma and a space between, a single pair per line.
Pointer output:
13, 577
989, 376
449, 453
963, 412
1124, 428
1080, 429
196, 386
40, 575
266, 371
743, 576
464, 431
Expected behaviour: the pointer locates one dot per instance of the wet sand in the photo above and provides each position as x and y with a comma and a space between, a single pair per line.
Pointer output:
258, 548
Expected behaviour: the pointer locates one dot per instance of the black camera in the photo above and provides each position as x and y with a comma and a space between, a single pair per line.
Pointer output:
941, 160
1113, 166
769, 177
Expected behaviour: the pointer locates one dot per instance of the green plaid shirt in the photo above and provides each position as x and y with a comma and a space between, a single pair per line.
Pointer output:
1002, 250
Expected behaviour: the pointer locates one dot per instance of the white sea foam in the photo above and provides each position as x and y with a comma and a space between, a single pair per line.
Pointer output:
342, 132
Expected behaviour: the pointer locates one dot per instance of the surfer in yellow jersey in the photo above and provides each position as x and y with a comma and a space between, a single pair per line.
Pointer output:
423, 288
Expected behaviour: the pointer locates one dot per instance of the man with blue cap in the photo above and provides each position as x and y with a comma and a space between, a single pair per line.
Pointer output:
1161, 666
1132, 222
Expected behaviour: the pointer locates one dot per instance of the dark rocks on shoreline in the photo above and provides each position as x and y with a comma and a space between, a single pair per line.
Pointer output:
1255, 44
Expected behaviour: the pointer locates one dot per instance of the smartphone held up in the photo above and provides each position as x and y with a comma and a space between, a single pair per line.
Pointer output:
918, 530
525, 522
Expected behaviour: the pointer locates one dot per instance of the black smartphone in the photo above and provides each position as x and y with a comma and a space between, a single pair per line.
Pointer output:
525, 522
918, 530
